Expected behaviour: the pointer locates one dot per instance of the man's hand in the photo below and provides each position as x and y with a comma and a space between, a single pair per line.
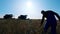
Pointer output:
41, 24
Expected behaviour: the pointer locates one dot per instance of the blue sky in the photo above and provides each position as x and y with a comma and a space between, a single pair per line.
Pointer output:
32, 8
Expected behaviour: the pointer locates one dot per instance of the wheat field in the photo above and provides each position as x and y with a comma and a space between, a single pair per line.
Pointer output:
16, 26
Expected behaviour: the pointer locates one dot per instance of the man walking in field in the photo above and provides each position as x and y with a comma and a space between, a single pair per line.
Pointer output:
51, 20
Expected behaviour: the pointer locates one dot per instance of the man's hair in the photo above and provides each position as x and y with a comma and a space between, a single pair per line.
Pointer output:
42, 11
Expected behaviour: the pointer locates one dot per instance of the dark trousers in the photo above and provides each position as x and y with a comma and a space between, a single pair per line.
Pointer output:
53, 27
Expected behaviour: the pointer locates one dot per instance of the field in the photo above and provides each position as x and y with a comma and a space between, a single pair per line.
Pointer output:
16, 26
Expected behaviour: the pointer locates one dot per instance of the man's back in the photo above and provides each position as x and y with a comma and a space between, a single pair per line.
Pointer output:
50, 15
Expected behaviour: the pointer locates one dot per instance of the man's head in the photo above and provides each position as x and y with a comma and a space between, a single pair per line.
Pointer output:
42, 11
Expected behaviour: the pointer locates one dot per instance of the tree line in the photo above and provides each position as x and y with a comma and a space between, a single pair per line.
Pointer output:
10, 16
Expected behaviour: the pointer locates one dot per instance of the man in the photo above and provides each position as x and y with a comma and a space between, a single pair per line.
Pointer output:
51, 20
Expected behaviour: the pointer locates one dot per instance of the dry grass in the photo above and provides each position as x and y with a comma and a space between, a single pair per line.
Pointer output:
13, 26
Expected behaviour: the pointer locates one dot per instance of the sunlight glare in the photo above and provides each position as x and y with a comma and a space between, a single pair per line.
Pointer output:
29, 4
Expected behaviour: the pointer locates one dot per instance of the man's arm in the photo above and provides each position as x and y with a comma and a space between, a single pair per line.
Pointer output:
57, 16
42, 20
